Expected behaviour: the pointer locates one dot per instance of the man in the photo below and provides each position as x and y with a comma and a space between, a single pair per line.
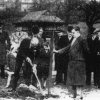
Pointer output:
61, 60
97, 59
91, 59
4, 45
29, 49
76, 67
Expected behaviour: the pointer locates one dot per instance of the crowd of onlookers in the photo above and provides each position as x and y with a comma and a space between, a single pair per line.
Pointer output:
75, 58
75, 64
91, 59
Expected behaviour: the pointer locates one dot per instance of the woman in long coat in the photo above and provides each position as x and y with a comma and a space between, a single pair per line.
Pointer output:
77, 51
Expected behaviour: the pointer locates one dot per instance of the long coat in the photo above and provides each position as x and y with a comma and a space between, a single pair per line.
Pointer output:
3, 46
76, 66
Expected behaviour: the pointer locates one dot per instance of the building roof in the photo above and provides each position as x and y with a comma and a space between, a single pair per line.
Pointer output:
40, 16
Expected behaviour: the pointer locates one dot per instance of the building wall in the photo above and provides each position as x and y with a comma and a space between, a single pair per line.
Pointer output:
26, 4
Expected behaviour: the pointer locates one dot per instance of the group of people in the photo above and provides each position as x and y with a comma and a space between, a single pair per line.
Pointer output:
75, 57
73, 60
93, 64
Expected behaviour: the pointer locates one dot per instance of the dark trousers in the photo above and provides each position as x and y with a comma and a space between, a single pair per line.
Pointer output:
97, 74
88, 77
90, 63
27, 72
61, 76
65, 74
88, 74
2, 71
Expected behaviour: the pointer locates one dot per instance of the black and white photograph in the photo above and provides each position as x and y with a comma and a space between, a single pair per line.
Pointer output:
49, 49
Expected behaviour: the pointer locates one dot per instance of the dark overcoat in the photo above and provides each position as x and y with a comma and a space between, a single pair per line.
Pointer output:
61, 60
77, 66
3, 47
37, 55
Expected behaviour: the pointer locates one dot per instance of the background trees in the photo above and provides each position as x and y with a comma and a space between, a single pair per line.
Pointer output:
10, 14
92, 13
71, 11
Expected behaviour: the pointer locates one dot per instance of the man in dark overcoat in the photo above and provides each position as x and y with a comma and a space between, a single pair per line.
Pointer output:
61, 60
76, 75
97, 59
91, 58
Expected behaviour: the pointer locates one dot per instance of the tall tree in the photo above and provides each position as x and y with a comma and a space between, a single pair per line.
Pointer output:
72, 13
10, 14
92, 13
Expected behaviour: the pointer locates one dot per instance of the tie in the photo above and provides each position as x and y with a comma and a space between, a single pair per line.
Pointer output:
74, 39
70, 40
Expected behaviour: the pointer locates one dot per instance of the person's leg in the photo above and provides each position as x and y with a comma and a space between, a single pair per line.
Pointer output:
96, 75
88, 74
2, 71
88, 77
59, 77
80, 90
65, 72
28, 74
65, 77
74, 88
18, 66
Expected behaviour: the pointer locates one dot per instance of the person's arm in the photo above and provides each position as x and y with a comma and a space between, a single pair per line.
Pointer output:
8, 41
63, 50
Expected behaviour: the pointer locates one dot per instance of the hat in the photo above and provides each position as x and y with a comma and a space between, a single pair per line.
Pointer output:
35, 29
69, 28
